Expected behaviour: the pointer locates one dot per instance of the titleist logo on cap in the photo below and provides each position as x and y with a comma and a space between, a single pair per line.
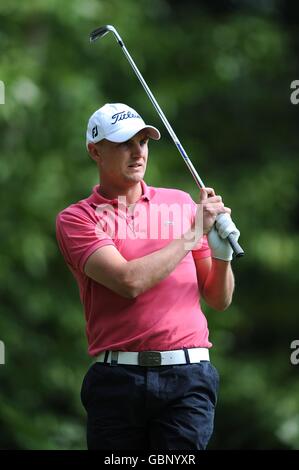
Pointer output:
124, 115
116, 122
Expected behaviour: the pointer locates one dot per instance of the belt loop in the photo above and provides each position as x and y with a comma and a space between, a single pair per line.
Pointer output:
114, 358
106, 357
187, 355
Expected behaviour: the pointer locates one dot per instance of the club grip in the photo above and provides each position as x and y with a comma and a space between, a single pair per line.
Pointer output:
238, 250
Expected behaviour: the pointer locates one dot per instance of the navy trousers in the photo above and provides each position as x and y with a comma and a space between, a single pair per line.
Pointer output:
158, 408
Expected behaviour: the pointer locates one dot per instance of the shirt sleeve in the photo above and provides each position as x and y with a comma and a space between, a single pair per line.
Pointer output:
78, 236
202, 249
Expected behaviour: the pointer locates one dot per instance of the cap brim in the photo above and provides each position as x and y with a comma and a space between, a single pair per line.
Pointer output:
123, 136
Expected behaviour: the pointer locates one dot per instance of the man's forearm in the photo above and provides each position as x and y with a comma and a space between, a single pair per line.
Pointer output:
143, 273
219, 286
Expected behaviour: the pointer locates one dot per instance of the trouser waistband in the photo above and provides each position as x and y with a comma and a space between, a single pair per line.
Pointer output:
154, 358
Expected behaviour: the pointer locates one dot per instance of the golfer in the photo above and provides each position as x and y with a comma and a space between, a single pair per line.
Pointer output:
143, 258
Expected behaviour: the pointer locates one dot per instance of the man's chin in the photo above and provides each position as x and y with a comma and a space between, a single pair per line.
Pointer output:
137, 177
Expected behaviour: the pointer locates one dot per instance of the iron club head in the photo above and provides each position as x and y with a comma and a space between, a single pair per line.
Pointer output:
100, 32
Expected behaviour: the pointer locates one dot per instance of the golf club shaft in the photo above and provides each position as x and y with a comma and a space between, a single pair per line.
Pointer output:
238, 251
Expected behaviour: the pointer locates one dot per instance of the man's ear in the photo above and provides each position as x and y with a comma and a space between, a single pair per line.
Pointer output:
93, 152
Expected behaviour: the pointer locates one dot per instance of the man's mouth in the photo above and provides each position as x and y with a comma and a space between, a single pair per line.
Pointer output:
135, 165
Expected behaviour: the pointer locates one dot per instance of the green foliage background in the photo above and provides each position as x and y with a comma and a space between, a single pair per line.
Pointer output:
221, 71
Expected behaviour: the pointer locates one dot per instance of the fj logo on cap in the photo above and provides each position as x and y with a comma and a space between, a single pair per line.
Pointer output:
94, 131
124, 115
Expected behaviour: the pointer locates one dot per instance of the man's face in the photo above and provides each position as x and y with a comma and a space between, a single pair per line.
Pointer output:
123, 162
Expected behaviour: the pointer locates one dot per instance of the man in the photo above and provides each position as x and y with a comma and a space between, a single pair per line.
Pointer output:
141, 271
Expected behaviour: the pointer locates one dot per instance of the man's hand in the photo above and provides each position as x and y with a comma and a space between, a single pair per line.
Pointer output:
220, 247
217, 223
212, 206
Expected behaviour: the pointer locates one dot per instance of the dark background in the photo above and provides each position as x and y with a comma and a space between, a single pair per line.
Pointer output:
221, 71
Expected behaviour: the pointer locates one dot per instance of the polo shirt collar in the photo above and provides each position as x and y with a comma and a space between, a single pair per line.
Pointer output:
146, 196
97, 198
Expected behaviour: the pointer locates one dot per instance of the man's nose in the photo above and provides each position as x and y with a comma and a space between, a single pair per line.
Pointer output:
136, 150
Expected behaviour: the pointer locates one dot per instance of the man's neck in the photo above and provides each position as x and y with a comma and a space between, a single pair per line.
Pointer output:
132, 194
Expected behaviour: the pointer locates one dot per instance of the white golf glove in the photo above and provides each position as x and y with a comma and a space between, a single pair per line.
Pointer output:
218, 244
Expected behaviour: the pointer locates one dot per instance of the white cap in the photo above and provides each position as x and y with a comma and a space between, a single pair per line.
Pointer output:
116, 122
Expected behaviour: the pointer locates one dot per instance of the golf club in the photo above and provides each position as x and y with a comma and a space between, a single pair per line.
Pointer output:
102, 31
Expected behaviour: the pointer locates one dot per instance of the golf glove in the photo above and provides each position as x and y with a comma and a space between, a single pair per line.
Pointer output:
218, 244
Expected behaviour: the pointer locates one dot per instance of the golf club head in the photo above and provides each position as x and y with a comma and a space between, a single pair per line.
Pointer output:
100, 32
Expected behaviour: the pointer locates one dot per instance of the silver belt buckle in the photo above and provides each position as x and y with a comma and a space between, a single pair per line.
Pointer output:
149, 358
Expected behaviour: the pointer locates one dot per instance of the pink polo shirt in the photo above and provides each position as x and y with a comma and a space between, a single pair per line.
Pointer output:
167, 316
